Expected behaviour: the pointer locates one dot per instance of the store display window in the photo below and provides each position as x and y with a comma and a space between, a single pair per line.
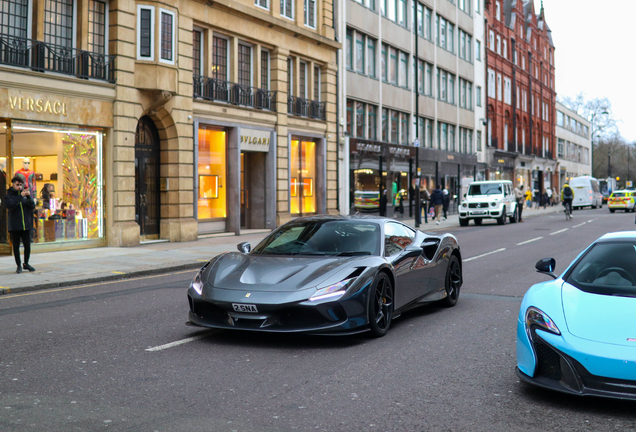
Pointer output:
303, 177
212, 173
62, 167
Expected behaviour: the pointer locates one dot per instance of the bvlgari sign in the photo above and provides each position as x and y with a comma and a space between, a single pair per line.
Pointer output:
255, 140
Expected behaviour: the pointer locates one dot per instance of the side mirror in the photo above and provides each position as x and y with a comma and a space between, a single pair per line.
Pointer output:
244, 247
546, 266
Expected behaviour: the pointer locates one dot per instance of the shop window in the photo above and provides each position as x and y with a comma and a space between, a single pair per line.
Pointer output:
211, 171
62, 167
303, 177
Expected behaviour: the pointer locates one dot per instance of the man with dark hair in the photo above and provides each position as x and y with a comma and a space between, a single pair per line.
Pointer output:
20, 204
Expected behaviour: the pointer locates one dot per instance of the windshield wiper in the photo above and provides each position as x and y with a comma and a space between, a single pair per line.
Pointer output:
353, 253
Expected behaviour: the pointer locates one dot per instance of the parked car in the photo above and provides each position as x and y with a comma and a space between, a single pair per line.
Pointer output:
622, 200
326, 275
577, 333
586, 192
493, 199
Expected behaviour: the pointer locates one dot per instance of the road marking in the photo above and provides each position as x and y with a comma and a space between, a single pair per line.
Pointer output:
177, 343
529, 241
591, 220
118, 272
559, 231
486, 254
581, 224
46, 291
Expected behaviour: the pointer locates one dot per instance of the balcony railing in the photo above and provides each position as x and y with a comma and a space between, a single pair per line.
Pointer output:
224, 91
306, 108
45, 57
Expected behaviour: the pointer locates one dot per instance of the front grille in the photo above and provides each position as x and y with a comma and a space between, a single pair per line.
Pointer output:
548, 360
478, 205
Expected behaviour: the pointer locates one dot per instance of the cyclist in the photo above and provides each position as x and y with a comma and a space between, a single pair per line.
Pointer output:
567, 196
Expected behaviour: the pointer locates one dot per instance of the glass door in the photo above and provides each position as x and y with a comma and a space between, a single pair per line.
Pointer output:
147, 199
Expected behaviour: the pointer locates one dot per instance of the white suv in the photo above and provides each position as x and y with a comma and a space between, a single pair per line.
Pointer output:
489, 200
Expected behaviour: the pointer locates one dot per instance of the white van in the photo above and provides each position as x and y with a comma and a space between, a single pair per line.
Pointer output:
586, 192
493, 199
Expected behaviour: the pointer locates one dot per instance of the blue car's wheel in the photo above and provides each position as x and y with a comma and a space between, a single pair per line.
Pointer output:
381, 305
453, 282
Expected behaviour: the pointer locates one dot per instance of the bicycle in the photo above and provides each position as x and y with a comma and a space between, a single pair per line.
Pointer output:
567, 211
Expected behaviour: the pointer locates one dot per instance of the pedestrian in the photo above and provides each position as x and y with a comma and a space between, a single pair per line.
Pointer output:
383, 201
548, 191
437, 200
544, 199
20, 204
399, 203
536, 197
529, 198
446, 202
426, 197
555, 197
519, 196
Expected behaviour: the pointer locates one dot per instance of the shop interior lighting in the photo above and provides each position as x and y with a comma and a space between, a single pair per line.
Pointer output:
76, 132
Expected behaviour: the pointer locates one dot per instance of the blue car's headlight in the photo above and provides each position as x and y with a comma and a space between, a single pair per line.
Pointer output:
535, 316
197, 285
332, 292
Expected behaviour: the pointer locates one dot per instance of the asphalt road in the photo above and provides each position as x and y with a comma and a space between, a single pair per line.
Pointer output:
117, 356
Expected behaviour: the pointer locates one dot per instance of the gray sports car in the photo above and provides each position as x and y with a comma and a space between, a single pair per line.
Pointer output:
326, 275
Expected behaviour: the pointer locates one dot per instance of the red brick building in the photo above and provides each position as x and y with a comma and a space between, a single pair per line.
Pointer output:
521, 95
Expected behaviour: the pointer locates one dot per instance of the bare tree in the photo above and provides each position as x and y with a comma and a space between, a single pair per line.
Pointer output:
575, 103
599, 113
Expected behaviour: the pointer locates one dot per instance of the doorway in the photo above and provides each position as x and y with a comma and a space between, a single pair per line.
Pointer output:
147, 198
253, 190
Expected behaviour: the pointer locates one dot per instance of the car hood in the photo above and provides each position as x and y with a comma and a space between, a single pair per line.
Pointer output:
277, 273
600, 318
483, 198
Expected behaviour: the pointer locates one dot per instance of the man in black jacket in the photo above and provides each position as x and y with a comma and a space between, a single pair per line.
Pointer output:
20, 205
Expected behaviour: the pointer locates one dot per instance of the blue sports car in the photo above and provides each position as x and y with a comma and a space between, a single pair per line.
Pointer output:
577, 333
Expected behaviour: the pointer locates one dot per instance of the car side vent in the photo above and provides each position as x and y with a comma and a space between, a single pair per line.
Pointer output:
430, 246
357, 272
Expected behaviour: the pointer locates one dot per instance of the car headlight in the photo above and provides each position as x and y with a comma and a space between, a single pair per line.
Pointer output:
197, 285
537, 317
464, 205
334, 291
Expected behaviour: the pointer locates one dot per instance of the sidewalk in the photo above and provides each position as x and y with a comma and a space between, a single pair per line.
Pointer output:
64, 268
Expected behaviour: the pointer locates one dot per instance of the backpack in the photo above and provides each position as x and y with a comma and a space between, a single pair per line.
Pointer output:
567, 193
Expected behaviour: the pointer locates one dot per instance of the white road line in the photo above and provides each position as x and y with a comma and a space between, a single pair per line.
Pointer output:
177, 343
529, 241
483, 255
559, 231
590, 220
581, 224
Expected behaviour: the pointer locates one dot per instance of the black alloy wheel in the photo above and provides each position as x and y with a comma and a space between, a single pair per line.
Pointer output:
381, 305
502, 219
453, 282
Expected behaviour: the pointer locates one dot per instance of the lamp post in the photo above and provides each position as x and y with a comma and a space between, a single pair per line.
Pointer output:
609, 168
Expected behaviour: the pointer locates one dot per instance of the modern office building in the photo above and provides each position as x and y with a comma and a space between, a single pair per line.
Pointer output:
164, 119
406, 98
521, 95
574, 146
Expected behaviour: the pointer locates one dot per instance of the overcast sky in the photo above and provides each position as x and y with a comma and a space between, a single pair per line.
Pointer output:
594, 43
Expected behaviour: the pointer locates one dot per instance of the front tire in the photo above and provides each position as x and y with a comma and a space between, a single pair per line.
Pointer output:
502, 219
612, 210
453, 282
463, 222
381, 305
478, 221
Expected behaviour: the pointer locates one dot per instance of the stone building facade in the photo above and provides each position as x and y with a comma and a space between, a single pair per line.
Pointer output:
198, 116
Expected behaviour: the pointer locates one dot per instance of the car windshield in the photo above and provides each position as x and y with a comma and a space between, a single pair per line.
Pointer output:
485, 189
326, 237
607, 269
618, 194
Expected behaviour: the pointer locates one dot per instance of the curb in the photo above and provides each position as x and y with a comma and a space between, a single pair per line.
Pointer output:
130, 275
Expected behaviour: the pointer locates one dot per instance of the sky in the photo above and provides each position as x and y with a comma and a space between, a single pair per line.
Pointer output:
594, 53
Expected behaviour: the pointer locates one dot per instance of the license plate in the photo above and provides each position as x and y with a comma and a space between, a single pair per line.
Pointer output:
479, 212
240, 307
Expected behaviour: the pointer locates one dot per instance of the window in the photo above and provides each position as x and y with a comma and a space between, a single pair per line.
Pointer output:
451, 89
349, 49
145, 33
491, 40
396, 238
384, 63
316, 83
368, 3
14, 15
478, 96
97, 26
507, 91
560, 145
505, 48
58, 22
393, 66
404, 128
445, 33
197, 41
466, 94
394, 126
499, 92
168, 33
287, 8
401, 18
403, 69
371, 57
359, 52
445, 86
491, 83
464, 5
465, 46
497, 11
385, 128
428, 80
265, 69
219, 59
310, 13
560, 118
244, 65
349, 129
372, 122
262, 3
360, 120
428, 13
302, 80
498, 48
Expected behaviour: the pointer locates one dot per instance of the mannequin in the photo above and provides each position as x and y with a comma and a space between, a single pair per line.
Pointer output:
3, 192
28, 176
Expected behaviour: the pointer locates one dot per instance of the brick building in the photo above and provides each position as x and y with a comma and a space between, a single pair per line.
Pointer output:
521, 95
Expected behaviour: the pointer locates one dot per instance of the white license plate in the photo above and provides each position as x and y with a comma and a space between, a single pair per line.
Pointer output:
479, 212
240, 307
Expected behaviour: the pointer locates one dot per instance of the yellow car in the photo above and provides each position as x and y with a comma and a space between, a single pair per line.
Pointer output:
367, 200
622, 200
